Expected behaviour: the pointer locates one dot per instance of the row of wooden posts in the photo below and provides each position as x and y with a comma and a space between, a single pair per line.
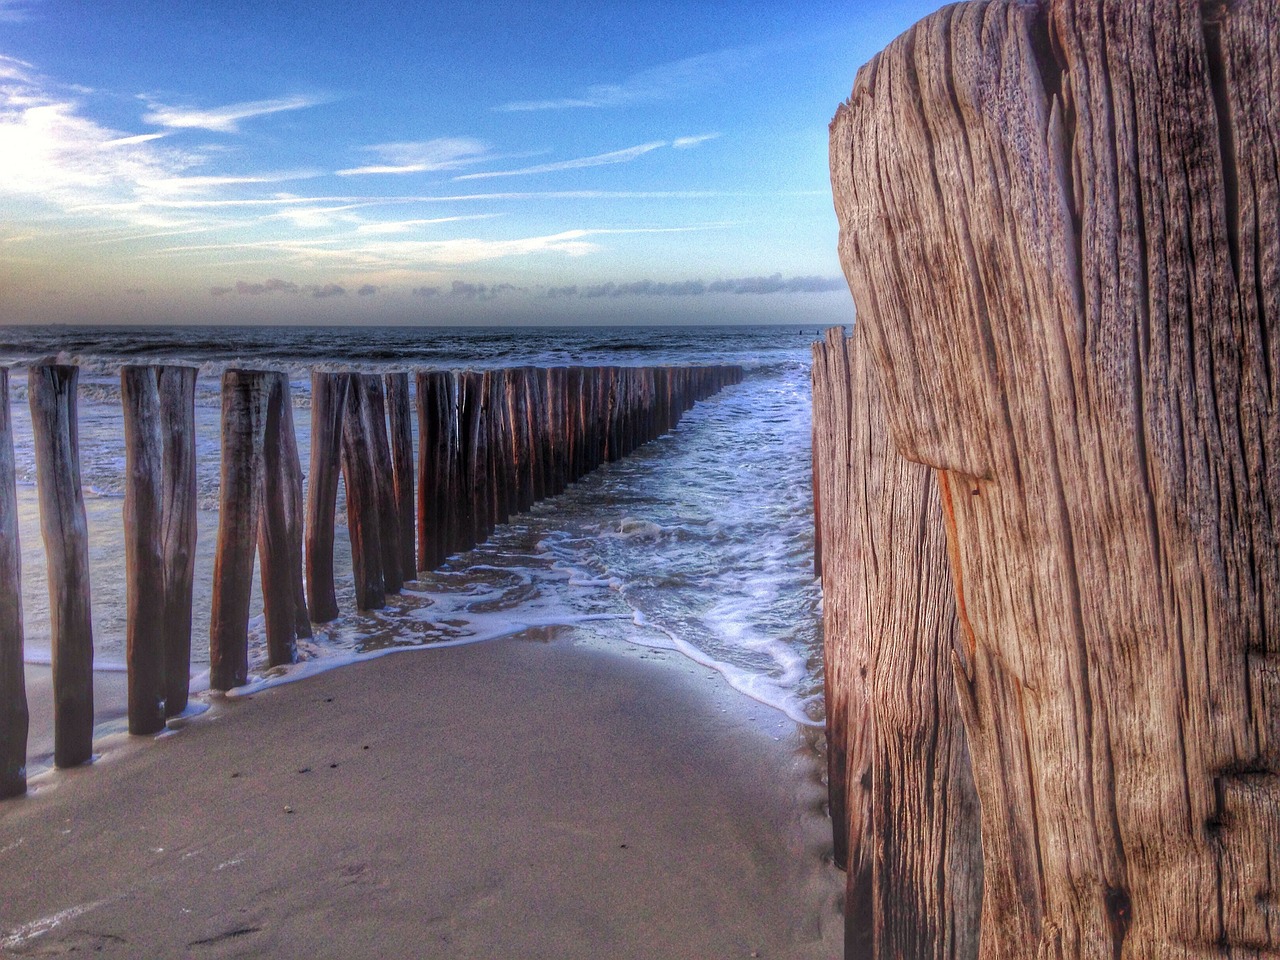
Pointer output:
491, 444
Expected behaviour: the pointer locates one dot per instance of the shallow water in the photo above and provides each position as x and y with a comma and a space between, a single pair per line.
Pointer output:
701, 541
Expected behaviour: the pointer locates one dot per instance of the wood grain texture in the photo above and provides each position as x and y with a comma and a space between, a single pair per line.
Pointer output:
364, 519
144, 548
294, 510
51, 390
14, 716
383, 478
1059, 223
246, 396
437, 401
399, 415
328, 404
177, 388
279, 532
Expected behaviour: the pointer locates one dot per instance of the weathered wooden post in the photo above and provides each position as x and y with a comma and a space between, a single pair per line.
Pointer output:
1059, 224
52, 393
473, 402
383, 481
557, 427
613, 435
498, 445
294, 511
364, 521
523, 438
328, 402
573, 423
437, 466
903, 805
279, 532
177, 390
540, 418
512, 398
144, 548
246, 396
14, 717
399, 410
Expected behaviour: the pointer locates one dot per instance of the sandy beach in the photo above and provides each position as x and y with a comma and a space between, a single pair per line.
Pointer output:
519, 798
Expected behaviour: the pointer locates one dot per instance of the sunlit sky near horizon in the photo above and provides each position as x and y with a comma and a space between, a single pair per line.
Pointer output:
397, 162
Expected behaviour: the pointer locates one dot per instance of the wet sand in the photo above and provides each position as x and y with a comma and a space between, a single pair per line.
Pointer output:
516, 798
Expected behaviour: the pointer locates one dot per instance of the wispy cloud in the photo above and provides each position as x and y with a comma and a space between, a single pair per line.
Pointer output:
625, 155
350, 202
422, 156
367, 255
196, 183
12, 68
408, 226
224, 119
684, 143
665, 81
51, 150
16, 11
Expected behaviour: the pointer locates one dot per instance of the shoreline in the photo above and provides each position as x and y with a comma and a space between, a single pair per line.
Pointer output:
561, 796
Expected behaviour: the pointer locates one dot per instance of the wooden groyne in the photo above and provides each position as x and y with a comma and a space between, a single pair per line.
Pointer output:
1059, 222
491, 444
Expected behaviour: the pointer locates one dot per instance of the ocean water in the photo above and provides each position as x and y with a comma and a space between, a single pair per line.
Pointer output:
701, 541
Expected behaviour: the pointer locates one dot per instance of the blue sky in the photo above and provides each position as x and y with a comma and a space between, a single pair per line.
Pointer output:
399, 162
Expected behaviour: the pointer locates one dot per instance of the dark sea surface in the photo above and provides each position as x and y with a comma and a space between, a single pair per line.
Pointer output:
700, 542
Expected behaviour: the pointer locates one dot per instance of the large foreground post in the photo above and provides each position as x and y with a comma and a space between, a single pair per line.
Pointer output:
900, 778
1061, 224
13, 687
52, 393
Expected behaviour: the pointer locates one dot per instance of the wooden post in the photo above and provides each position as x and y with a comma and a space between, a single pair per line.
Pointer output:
245, 399
279, 531
177, 390
364, 521
383, 481
143, 548
511, 397
294, 513
539, 419
613, 436
573, 424
522, 401
600, 417
555, 378
398, 409
14, 717
473, 428
52, 393
498, 446
437, 466
1066, 273
328, 402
